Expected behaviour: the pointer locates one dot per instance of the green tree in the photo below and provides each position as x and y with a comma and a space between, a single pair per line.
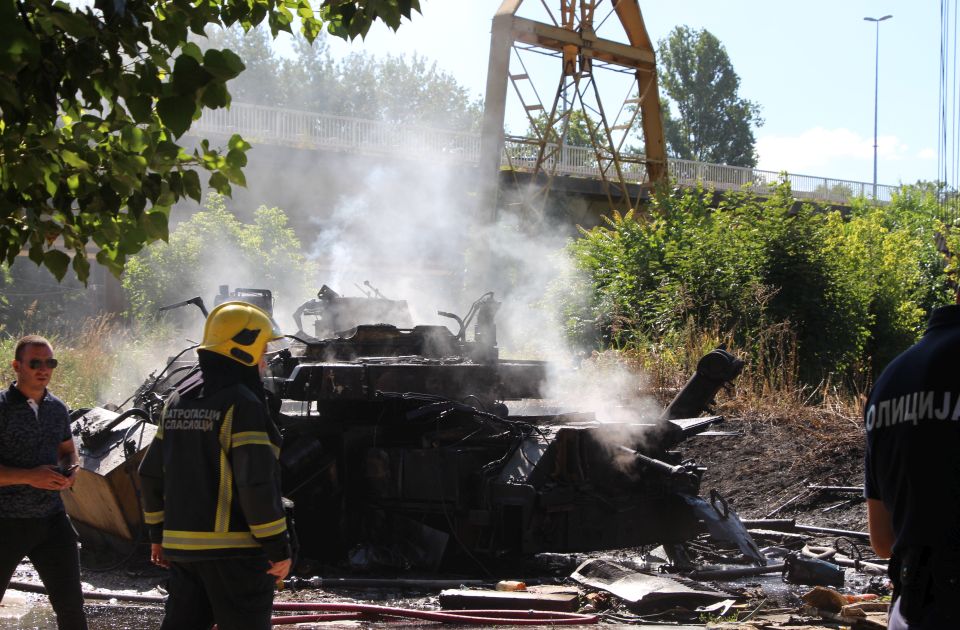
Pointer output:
580, 129
94, 99
309, 80
844, 292
399, 89
712, 123
213, 247
416, 90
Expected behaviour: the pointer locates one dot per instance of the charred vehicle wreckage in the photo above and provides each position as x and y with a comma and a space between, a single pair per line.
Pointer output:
419, 447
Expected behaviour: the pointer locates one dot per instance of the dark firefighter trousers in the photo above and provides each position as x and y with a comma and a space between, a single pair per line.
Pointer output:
234, 593
50, 543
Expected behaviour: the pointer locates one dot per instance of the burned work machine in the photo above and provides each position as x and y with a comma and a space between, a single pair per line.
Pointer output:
403, 447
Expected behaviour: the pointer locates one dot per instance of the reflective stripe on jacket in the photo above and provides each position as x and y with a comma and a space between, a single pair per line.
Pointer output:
211, 478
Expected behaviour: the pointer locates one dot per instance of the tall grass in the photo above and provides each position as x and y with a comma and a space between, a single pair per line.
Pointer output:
103, 361
768, 387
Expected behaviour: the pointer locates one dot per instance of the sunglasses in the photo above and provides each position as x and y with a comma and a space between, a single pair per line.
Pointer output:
36, 364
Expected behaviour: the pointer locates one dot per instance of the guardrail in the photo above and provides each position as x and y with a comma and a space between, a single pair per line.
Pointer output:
310, 130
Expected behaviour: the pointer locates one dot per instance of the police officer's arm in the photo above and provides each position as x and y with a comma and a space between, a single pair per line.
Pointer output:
256, 473
880, 526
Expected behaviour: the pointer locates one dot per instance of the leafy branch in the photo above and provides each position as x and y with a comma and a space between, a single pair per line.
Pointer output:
94, 100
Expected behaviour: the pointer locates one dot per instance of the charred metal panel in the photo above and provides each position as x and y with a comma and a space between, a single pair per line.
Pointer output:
364, 381
386, 340
521, 379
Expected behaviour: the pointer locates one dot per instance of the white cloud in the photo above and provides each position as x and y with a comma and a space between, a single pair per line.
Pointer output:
837, 153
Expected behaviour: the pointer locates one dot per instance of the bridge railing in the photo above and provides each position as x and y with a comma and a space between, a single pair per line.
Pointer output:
311, 130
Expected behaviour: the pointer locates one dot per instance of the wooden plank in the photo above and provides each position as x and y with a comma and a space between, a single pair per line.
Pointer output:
462, 599
92, 501
125, 483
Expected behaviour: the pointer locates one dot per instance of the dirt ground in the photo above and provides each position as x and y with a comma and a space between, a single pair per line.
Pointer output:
773, 460
763, 470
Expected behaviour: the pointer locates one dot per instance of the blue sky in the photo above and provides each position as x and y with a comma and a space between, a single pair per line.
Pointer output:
809, 65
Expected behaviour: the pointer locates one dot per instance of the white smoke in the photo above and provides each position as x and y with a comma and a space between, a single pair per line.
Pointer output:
413, 233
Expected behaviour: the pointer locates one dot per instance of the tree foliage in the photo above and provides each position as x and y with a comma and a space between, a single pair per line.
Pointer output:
842, 292
400, 89
212, 248
94, 99
712, 122
577, 128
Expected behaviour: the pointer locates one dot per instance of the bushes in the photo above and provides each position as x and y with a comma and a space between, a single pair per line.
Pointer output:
213, 248
848, 292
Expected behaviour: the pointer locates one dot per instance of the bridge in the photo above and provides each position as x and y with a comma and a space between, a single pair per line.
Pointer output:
324, 132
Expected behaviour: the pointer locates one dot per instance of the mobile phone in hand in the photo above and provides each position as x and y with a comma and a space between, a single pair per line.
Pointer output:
66, 472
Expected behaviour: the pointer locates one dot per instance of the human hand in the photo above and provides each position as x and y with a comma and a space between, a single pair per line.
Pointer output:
46, 478
157, 557
279, 569
71, 476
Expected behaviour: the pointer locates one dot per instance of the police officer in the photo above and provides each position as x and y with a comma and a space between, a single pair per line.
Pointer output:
912, 475
211, 484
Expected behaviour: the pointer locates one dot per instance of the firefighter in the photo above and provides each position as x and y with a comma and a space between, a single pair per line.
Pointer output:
912, 475
211, 484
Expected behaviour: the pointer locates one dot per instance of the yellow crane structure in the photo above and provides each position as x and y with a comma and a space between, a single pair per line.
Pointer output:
569, 33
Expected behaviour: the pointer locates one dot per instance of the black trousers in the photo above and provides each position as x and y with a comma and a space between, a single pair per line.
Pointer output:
51, 545
926, 587
934, 618
235, 593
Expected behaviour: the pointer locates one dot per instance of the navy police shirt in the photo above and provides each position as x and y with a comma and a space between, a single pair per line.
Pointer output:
29, 439
912, 422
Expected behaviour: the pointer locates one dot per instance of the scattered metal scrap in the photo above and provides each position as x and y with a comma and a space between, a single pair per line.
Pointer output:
645, 590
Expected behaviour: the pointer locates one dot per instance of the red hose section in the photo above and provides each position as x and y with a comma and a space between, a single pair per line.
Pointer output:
500, 617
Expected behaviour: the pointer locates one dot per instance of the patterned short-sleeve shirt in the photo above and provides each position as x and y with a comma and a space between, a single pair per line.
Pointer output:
29, 439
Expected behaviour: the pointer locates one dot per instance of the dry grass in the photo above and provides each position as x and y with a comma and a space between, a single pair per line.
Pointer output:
98, 363
767, 393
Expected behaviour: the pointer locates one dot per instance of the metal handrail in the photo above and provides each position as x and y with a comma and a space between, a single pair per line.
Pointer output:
311, 130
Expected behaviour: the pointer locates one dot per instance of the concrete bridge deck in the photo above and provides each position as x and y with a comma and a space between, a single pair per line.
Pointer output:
323, 132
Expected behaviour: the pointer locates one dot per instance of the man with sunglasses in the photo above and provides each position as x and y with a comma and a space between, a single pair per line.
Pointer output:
37, 460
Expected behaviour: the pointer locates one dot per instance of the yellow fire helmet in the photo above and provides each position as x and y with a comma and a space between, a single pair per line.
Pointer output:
238, 330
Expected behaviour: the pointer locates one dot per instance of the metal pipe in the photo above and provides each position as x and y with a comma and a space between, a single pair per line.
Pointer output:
732, 574
876, 95
850, 489
30, 587
779, 524
425, 584
833, 532
789, 525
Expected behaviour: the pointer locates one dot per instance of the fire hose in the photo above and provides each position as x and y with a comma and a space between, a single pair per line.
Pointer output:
342, 611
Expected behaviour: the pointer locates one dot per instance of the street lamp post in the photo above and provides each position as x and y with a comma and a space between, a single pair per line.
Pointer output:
876, 94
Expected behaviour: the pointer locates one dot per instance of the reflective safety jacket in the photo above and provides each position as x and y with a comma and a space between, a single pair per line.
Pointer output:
211, 478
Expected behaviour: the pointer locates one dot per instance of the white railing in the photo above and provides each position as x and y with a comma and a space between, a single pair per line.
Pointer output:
320, 131
311, 130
